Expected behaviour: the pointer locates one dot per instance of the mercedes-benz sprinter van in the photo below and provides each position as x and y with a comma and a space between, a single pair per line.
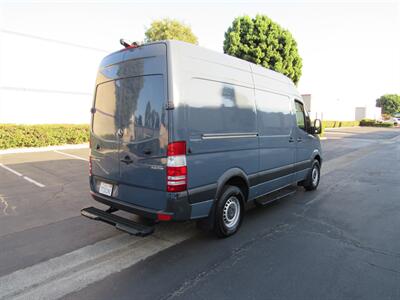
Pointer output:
179, 132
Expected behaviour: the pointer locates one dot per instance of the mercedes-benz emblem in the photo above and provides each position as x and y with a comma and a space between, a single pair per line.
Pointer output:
120, 132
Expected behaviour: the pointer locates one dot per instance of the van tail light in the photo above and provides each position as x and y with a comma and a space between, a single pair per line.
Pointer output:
164, 217
176, 167
90, 165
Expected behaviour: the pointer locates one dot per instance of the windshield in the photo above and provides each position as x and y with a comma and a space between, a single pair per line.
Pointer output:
135, 105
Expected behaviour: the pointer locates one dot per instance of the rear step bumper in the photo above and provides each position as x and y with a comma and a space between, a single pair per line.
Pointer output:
120, 223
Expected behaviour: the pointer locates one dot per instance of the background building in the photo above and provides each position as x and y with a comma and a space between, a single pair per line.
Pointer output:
50, 50
368, 113
45, 80
339, 110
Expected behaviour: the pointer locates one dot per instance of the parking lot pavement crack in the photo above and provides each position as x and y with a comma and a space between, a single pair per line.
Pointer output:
55, 195
383, 268
229, 260
6, 205
4, 202
58, 193
339, 234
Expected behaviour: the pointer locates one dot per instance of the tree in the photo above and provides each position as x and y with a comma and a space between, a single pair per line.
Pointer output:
264, 42
169, 29
390, 103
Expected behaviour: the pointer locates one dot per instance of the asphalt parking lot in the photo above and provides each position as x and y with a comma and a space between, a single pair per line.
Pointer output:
340, 242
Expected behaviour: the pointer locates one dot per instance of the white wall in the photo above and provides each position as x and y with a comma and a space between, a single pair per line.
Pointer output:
45, 80
325, 107
365, 112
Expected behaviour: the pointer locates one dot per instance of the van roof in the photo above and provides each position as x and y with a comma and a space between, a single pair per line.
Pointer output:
192, 50
228, 59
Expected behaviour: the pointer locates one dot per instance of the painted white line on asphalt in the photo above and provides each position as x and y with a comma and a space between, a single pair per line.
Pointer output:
21, 175
71, 155
34, 181
73, 271
11, 170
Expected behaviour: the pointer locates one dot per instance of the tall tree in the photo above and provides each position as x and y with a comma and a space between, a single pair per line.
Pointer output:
264, 42
390, 103
169, 29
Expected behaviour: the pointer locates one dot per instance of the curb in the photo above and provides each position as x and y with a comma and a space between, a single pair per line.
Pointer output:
43, 149
338, 128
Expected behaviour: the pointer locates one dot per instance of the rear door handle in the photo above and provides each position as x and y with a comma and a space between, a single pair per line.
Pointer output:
299, 139
291, 139
127, 160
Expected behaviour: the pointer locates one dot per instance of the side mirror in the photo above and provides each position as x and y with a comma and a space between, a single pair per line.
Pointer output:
317, 127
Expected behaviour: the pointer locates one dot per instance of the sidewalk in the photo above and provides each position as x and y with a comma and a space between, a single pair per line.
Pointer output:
43, 149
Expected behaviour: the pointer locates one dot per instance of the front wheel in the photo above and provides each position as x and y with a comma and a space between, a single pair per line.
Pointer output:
229, 212
313, 177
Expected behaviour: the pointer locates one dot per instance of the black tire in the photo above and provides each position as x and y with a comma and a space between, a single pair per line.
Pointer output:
312, 181
229, 211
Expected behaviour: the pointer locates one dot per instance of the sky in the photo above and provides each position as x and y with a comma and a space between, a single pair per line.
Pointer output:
350, 49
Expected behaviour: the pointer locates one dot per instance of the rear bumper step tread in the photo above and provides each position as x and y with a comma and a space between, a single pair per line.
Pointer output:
120, 223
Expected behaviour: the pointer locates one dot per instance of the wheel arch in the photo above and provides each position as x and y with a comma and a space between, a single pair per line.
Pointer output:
236, 177
317, 156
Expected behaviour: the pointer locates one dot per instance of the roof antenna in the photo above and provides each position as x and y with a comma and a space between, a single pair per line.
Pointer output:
128, 44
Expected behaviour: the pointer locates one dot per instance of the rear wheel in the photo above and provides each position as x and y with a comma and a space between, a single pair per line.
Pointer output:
313, 177
229, 212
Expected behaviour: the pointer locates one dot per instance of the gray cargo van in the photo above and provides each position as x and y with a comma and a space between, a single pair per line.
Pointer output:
180, 132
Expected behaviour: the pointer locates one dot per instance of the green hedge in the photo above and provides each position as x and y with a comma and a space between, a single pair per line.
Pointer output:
374, 123
337, 124
15, 136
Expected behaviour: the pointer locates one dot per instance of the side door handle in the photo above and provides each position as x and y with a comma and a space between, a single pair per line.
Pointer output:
127, 160
291, 139
147, 151
299, 140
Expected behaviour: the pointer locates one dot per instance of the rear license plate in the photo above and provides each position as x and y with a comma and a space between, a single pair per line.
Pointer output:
105, 188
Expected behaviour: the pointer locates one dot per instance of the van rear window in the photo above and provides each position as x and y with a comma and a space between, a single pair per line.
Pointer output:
105, 122
135, 105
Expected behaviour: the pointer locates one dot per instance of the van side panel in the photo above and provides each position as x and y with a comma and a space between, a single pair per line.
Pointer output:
277, 145
215, 113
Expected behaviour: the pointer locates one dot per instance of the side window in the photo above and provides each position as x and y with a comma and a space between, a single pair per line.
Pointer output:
300, 117
274, 113
217, 107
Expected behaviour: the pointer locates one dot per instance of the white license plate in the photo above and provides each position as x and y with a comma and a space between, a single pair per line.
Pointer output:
105, 188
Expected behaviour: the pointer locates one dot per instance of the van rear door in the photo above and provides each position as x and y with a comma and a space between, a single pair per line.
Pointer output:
104, 139
143, 134
130, 138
